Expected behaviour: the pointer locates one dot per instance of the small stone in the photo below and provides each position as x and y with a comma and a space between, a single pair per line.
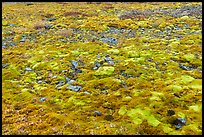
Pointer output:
12, 25
51, 19
96, 65
42, 99
68, 80
111, 63
108, 59
74, 88
87, 93
98, 56
28, 69
39, 81
185, 67
110, 41
74, 63
179, 122
97, 113
23, 39
78, 70
5, 65
47, 26
104, 92
61, 83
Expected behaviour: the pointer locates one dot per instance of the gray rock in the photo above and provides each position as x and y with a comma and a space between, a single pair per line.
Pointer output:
68, 80
23, 39
5, 65
74, 88
97, 113
96, 65
61, 83
51, 19
28, 69
74, 63
42, 99
39, 81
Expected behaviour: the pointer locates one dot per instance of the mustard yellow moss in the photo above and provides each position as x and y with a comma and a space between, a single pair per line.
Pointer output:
101, 68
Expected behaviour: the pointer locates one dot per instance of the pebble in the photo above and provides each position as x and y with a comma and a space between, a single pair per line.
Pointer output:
3, 46
185, 67
108, 59
68, 80
60, 83
47, 26
87, 93
98, 56
97, 113
42, 99
5, 65
179, 122
74, 63
28, 69
110, 41
51, 19
96, 65
74, 88
12, 25
104, 92
110, 62
39, 81
23, 39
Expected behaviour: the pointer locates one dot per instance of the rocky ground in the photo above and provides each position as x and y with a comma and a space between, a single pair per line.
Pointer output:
102, 68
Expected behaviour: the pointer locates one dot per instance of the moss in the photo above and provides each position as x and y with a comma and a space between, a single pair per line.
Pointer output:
122, 110
106, 70
114, 51
138, 115
185, 79
167, 129
133, 54
151, 91
127, 98
189, 57
25, 95
75, 101
153, 121
196, 108
175, 88
196, 84
11, 73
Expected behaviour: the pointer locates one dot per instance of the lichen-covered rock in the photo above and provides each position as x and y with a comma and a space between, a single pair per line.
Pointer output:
106, 70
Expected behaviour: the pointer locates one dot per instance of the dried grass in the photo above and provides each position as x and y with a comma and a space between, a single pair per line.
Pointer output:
66, 32
39, 25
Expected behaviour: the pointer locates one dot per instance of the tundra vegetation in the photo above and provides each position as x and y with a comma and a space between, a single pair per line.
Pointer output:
102, 68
